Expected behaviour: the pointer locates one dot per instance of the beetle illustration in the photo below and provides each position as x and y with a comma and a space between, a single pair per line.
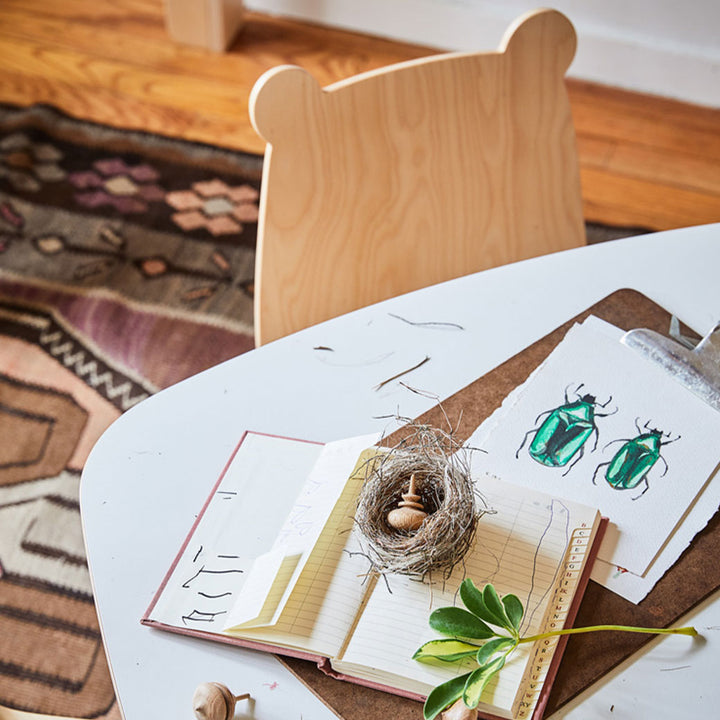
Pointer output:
564, 432
631, 464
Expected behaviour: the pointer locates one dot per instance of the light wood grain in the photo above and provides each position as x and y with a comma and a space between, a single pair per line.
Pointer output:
211, 24
624, 200
412, 175
668, 151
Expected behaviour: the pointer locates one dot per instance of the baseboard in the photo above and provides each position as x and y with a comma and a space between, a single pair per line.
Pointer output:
611, 51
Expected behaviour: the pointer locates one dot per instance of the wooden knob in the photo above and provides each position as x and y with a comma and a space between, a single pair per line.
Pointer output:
410, 513
214, 701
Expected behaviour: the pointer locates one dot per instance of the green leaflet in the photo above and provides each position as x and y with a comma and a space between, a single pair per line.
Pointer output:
473, 600
513, 609
479, 679
445, 650
493, 646
457, 622
495, 607
487, 607
444, 695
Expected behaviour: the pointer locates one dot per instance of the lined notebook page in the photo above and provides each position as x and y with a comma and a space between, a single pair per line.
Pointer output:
520, 548
236, 525
264, 589
330, 587
269, 583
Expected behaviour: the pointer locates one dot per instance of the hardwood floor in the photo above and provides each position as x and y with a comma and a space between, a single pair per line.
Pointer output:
645, 161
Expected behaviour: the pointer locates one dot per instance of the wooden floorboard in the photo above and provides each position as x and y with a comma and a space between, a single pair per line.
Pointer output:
645, 161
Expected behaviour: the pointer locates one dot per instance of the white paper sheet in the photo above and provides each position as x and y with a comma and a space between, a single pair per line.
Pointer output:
635, 587
591, 362
300, 532
220, 552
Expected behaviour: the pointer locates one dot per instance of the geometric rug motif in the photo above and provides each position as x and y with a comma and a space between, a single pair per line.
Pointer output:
126, 265
154, 219
57, 394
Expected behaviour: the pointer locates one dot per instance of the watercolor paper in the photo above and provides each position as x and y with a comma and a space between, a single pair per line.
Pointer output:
597, 424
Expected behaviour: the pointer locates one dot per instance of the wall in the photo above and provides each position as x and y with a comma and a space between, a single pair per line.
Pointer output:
663, 47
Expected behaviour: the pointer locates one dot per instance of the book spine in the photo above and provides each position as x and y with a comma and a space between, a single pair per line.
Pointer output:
559, 609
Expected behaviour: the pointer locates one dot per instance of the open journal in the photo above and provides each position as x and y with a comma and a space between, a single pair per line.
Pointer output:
273, 563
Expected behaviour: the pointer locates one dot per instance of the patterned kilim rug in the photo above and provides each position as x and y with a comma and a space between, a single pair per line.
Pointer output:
126, 265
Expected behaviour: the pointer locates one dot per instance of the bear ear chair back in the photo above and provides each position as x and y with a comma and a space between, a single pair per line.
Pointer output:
413, 174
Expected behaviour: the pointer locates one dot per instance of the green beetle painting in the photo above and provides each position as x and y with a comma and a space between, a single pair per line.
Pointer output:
562, 435
631, 464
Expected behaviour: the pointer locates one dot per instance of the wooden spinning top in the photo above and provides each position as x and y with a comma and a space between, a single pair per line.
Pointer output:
410, 513
214, 701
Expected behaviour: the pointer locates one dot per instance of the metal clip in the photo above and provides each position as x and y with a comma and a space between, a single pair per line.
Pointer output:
697, 369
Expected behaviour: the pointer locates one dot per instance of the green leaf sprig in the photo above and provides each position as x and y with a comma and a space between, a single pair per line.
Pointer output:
486, 612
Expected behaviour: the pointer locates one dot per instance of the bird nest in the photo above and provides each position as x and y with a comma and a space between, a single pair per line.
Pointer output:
442, 480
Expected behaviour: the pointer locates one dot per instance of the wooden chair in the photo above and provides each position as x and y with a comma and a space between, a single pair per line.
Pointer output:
413, 174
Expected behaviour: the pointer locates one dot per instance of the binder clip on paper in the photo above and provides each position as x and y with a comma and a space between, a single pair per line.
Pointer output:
696, 368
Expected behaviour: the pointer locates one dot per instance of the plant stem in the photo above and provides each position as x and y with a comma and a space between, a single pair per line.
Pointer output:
623, 628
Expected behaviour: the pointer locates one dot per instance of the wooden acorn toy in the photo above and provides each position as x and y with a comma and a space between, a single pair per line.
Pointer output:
214, 701
410, 512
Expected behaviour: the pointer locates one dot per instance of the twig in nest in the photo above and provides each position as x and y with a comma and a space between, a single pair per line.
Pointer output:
442, 478
436, 397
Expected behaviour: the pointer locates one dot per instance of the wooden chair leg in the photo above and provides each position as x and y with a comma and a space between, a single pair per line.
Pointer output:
211, 24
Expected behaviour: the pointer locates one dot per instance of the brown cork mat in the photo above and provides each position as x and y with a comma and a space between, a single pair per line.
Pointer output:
587, 658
